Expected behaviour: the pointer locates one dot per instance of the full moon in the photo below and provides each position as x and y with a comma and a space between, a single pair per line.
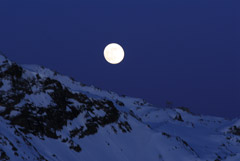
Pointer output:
113, 53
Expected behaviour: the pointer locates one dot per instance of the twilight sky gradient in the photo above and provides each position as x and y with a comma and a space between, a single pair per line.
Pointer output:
185, 51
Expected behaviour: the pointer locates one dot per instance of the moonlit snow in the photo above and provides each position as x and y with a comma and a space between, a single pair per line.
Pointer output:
97, 125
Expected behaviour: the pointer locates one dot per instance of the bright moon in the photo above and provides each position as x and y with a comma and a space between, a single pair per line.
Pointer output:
113, 53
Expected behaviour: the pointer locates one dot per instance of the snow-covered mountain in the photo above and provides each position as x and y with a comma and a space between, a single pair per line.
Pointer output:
47, 116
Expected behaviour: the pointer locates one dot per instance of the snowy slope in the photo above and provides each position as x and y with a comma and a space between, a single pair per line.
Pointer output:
47, 116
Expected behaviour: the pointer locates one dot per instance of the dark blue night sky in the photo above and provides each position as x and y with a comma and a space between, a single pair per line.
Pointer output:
184, 51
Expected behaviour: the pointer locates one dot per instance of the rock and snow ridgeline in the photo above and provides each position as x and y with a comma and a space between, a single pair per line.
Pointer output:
47, 116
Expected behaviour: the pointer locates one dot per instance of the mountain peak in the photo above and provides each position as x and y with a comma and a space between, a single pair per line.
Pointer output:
48, 116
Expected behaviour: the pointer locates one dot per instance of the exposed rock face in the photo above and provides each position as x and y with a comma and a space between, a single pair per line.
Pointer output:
235, 130
57, 105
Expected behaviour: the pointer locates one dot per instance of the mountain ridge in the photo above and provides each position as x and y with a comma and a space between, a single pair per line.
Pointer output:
48, 116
